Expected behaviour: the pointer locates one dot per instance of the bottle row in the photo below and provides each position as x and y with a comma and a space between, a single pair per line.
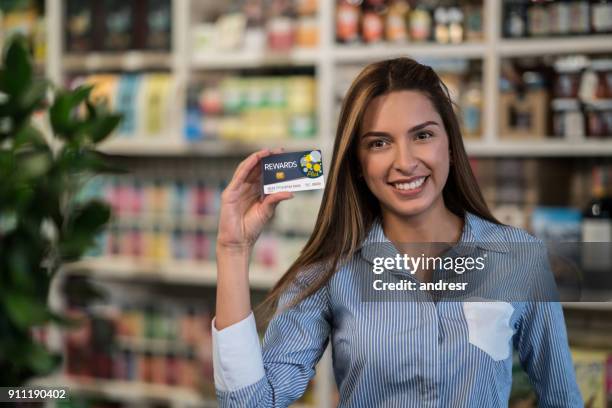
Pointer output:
118, 25
401, 21
155, 197
570, 98
225, 107
251, 108
254, 26
142, 344
146, 101
153, 242
541, 18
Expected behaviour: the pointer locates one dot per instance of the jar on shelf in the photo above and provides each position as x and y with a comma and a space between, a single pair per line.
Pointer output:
568, 119
603, 70
420, 23
601, 17
538, 22
471, 108
599, 118
396, 30
560, 18
580, 17
348, 14
515, 22
567, 82
473, 22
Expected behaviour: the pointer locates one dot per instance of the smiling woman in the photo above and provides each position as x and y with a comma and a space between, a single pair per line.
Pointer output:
399, 175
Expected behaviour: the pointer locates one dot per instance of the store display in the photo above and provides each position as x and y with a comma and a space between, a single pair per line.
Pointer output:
148, 343
248, 109
145, 100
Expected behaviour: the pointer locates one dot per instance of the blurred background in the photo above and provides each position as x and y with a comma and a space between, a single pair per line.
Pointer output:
203, 83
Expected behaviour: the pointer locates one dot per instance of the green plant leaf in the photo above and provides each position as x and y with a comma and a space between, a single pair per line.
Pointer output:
63, 120
100, 128
25, 310
17, 74
86, 221
34, 95
30, 136
41, 361
34, 164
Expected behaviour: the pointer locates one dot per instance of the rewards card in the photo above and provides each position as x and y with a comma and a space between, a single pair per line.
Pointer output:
296, 171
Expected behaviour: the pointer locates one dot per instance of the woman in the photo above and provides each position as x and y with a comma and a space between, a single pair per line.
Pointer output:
399, 174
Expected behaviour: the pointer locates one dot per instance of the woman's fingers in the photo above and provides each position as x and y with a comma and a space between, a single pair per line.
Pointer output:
245, 168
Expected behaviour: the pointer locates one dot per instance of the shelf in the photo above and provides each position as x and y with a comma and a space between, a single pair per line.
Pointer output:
537, 148
127, 390
550, 46
128, 61
166, 220
159, 146
589, 306
250, 59
178, 272
543, 147
366, 53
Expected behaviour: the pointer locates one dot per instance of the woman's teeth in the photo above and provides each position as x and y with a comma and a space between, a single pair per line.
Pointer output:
410, 186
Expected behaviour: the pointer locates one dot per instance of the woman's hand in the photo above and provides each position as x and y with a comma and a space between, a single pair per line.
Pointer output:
243, 213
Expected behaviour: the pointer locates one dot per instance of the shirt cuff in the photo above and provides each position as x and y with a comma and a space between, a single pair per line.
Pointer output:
237, 360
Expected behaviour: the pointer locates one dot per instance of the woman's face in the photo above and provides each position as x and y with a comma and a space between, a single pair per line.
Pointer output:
403, 151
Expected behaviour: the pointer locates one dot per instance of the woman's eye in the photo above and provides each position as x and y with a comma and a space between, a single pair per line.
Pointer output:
423, 135
378, 144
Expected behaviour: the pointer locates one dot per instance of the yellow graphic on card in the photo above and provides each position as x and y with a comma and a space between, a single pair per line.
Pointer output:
311, 164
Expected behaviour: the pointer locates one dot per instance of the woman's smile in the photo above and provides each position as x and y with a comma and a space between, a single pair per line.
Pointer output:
409, 187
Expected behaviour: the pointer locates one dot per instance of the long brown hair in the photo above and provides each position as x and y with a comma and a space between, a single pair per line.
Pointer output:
348, 208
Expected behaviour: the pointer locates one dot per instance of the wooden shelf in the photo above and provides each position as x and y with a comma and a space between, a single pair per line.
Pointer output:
177, 272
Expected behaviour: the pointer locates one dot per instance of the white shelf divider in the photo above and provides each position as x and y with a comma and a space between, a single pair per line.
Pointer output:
552, 46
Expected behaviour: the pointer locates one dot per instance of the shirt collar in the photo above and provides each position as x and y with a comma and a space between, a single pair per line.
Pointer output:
477, 232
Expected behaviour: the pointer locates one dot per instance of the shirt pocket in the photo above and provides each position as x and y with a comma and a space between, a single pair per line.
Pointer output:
489, 327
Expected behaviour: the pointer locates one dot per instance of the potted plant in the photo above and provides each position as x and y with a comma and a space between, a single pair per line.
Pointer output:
42, 223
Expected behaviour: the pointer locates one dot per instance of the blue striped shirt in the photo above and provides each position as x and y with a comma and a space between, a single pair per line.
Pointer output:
401, 354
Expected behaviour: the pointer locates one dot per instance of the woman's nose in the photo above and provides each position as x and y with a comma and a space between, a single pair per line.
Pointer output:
405, 161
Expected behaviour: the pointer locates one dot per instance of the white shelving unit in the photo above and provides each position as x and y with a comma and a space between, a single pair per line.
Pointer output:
325, 59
